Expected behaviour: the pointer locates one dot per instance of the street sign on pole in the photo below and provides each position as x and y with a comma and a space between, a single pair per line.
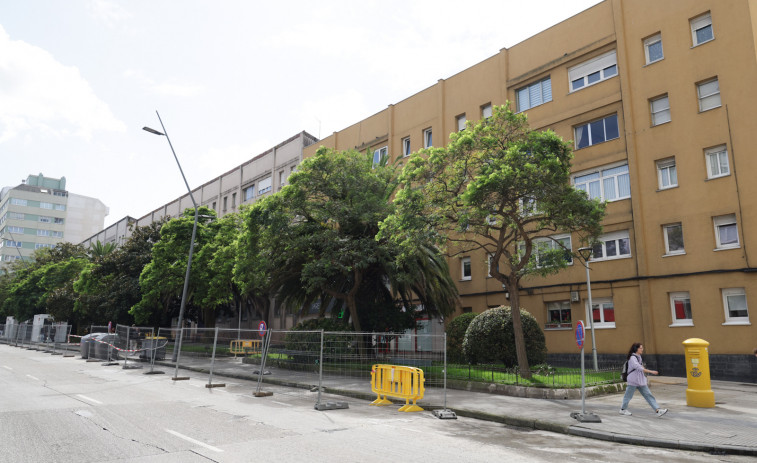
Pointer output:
262, 328
580, 334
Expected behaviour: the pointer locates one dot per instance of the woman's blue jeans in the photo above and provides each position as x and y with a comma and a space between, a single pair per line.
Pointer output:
645, 392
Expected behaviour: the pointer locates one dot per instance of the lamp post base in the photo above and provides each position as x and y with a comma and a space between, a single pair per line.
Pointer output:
586, 417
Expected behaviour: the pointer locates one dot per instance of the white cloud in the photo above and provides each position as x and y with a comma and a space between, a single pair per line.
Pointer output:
108, 12
171, 87
41, 95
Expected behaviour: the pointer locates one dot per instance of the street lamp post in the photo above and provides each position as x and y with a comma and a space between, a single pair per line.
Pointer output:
586, 255
191, 242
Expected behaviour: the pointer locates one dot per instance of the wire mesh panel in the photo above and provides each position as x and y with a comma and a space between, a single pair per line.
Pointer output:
24, 337
3, 334
349, 359
342, 362
128, 342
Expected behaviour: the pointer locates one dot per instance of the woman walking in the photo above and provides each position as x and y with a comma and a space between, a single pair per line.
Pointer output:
637, 380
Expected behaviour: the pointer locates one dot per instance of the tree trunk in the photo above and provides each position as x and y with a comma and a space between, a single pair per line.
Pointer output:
520, 341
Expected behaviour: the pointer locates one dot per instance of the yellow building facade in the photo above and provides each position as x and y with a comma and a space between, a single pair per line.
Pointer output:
658, 99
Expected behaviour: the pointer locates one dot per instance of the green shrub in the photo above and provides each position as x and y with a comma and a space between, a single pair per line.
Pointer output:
455, 335
490, 338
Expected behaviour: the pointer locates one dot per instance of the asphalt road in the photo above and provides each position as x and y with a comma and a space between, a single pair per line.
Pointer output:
55, 409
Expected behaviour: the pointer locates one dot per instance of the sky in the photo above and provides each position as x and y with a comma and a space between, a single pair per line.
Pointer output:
230, 79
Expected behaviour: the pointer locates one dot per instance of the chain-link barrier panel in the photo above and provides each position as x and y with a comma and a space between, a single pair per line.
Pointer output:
342, 362
129, 344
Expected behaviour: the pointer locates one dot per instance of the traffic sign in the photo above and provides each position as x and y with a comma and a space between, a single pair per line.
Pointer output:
262, 328
580, 333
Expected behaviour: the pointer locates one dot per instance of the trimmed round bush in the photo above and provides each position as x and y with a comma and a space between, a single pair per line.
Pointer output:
490, 338
455, 335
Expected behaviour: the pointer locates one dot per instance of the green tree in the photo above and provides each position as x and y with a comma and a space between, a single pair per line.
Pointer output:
496, 188
108, 286
317, 239
162, 279
44, 283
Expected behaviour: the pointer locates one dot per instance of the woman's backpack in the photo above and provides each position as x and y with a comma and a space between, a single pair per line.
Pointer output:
624, 371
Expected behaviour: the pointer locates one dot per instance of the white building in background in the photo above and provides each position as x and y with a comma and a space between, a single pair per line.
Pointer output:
40, 213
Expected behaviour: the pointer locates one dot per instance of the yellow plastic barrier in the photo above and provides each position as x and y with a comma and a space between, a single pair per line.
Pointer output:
245, 346
397, 381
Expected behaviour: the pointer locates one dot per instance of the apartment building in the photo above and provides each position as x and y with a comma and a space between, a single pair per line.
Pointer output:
244, 184
40, 213
657, 98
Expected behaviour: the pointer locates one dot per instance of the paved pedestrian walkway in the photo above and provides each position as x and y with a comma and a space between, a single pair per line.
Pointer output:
728, 428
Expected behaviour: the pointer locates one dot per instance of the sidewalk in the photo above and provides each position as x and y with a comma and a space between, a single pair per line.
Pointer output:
728, 428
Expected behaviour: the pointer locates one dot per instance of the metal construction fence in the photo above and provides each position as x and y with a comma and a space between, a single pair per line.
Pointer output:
47, 337
343, 362
361, 365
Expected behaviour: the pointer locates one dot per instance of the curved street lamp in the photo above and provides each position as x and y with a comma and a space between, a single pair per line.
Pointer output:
191, 242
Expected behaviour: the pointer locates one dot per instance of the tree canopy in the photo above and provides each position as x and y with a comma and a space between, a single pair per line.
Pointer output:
501, 189
317, 239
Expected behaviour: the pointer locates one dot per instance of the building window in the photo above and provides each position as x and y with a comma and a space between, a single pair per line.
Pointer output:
406, 146
43, 232
593, 71
16, 215
46, 205
534, 95
56, 234
225, 203
12, 244
379, 154
653, 48
460, 121
548, 251
465, 269
43, 246
667, 176
709, 95
16, 229
264, 186
428, 139
717, 162
58, 220
606, 184
282, 178
233, 200
734, 302
214, 205
467, 309
660, 109
673, 236
558, 315
611, 246
701, 29
45, 219
18, 202
249, 193
602, 313
59, 207
726, 232
680, 306
597, 131
486, 111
